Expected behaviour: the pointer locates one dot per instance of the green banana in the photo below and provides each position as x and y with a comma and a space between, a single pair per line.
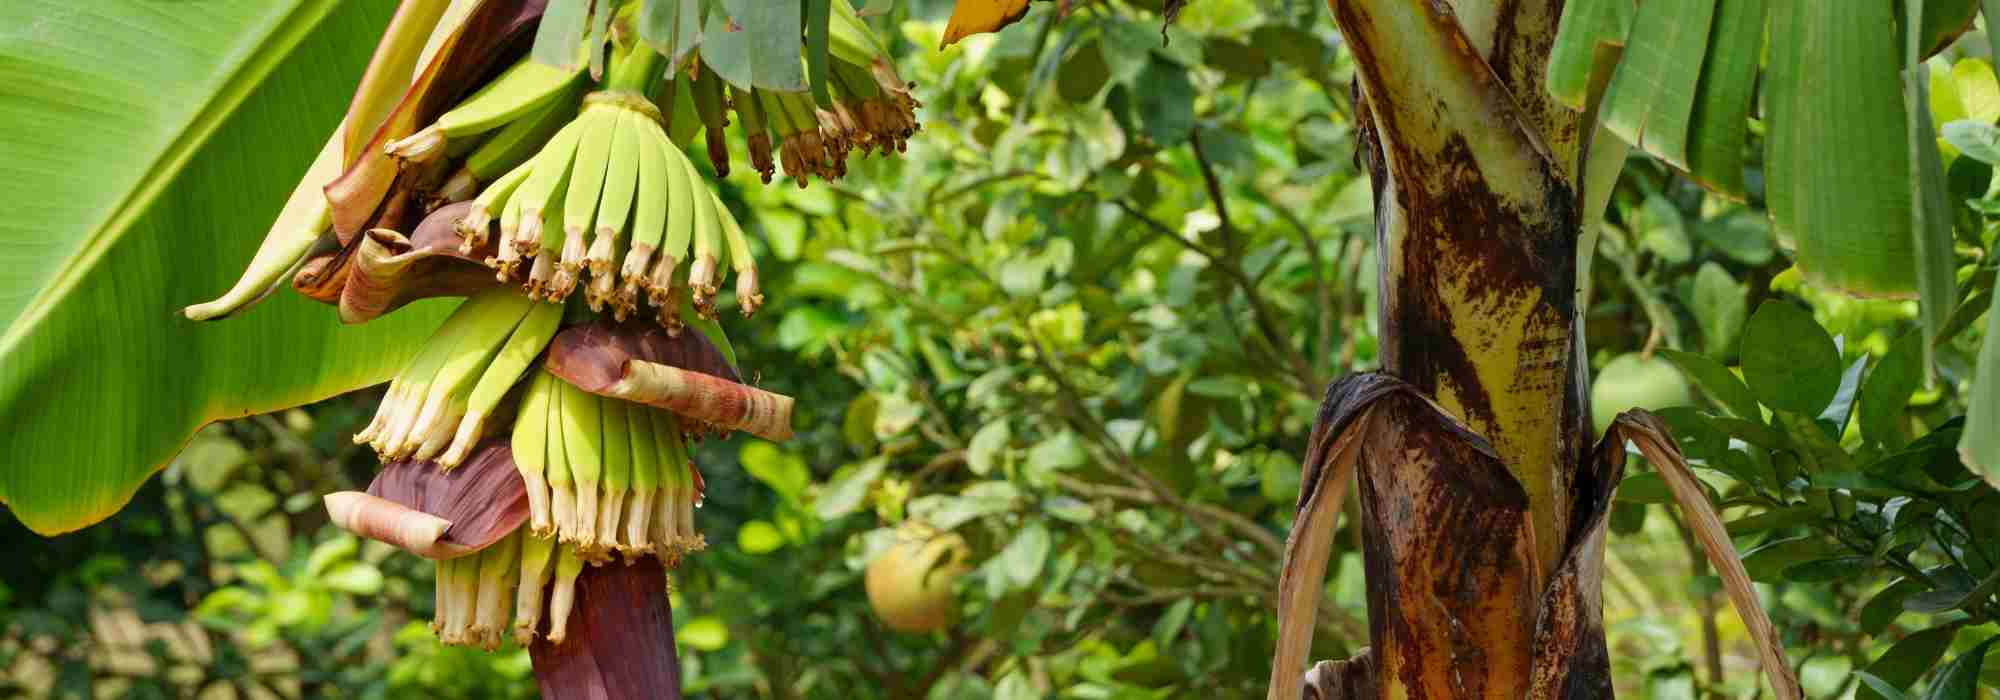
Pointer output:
646, 465
542, 276
523, 87
707, 94
522, 138
562, 484
530, 442
583, 442
551, 172
444, 404
586, 187
702, 263
748, 296
409, 389
756, 130
479, 217
563, 597
499, 567
537, 567
500, 377
658, 179
668, 540
617, 477
682, 122
683, 211
614, 209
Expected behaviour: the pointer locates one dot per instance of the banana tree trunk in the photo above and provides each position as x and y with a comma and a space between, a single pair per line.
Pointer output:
1483, 499
1476, 491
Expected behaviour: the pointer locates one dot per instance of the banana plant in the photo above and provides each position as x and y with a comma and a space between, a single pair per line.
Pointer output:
509, 154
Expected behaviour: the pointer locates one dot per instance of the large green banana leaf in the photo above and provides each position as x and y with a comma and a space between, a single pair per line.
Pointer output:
146, 147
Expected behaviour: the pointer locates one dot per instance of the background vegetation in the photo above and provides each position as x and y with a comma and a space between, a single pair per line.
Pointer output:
1084, 323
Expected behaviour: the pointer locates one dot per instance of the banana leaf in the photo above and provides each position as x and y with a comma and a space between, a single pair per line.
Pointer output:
148, 146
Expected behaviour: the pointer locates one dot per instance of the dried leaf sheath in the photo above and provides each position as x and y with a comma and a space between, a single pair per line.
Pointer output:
393, 523
1655, 442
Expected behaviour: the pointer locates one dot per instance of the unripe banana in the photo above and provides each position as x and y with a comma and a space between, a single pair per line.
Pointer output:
537, 567
523, 87
583, 441
544, 184
445, 403
411, 386
756, 130
562, 485
617, 476
522, 138
586, 187
682, 121
542, 282
531, 450
563, 597
614, 211
684, 209
646, 468
705, 263
667, 537
499, 379
708, 98
748, 296
472, 229
658, 179
499, 572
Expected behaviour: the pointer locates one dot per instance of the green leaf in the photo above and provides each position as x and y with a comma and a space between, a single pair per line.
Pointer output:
759, 537
1587, 26
1644, 488
1882, 688
128, 212
755, 43
1168, 627
847, 493
1741, 233
1979, 448
1977, 140
1720, 307
1959, 680
1846, 209
560, 32
988, 446
1886, 606
1931, 213
1718, 127
1717, 381
819, 14
1652, 94
1887, 392
1908, 659
783, 471
1165, 104
672, 27
1792, 516
1018, 565
705, 633
1789, 362
1768, 562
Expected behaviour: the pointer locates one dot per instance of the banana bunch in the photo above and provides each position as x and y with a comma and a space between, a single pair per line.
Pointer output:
439, 406
605, 475
497, 128
871, 110
478, 594
610, 198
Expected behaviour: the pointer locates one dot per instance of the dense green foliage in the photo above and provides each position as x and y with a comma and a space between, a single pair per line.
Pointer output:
1084, 323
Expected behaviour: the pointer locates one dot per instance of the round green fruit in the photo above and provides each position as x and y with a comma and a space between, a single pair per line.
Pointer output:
909, 584
1631, 381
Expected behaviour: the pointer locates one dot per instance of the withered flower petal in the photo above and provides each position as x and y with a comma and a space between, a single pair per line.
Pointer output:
390, 270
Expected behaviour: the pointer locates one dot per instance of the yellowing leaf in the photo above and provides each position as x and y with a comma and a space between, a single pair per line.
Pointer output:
971, 17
